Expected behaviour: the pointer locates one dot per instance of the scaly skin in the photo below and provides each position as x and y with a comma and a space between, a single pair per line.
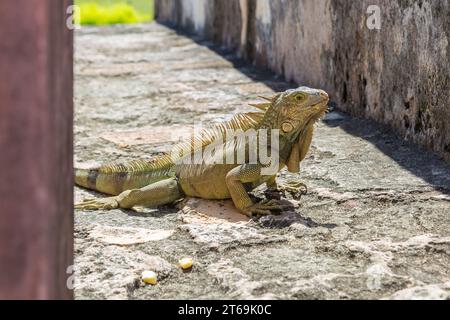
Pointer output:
167, 178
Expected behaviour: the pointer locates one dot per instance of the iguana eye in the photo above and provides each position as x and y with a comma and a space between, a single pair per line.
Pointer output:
299, 97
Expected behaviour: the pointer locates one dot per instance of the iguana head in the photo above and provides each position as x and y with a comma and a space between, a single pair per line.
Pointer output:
293, 113
293, 110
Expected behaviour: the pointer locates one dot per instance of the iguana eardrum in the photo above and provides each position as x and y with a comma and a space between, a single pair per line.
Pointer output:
166, 178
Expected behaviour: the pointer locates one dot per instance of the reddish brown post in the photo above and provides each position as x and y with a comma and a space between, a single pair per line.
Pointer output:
36, 189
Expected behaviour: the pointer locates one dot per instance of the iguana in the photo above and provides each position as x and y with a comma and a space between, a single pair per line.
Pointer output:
166, 178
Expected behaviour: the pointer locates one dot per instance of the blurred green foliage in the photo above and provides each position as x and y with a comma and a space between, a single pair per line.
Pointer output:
102, 12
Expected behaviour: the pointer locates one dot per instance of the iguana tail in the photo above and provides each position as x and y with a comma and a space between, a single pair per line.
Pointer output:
114, 178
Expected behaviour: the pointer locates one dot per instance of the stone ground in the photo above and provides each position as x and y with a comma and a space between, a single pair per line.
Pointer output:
375, 223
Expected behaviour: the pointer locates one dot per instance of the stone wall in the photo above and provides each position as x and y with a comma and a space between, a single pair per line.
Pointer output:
398, 75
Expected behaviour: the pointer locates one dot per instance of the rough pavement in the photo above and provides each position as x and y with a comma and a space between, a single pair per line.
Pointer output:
375, 224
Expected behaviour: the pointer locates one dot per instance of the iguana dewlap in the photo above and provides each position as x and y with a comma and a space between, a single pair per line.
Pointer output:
291, 115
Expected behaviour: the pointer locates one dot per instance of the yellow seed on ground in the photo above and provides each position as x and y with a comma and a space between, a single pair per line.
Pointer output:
186, 263
149, 277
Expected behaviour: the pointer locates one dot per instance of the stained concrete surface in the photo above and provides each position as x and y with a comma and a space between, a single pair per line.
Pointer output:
375, 223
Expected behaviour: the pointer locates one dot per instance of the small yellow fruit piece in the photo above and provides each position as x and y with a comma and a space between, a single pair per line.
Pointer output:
186, 263
149, 277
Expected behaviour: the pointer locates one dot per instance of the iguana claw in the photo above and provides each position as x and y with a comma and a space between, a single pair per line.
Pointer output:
293, 187
98, 204
264, 208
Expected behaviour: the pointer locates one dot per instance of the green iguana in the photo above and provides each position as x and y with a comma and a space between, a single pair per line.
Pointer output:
168, 178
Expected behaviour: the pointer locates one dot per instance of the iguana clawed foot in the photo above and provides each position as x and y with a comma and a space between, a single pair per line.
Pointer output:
98, 204
264, 208
296, 188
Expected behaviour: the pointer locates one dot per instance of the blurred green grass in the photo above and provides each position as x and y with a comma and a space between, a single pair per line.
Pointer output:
103, 12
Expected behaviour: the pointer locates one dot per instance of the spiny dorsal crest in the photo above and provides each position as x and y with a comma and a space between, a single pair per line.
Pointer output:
218, 132
266, 105
243, 121
205, 137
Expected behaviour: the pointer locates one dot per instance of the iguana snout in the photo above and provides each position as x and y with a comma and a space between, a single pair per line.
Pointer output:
319, 97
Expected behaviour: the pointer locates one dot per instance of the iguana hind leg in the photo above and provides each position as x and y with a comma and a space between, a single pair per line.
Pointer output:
154, 195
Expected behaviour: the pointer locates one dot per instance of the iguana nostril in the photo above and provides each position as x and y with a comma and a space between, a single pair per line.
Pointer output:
323, 94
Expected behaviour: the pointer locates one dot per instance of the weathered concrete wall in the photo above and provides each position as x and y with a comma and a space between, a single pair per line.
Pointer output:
398, 75
220, 21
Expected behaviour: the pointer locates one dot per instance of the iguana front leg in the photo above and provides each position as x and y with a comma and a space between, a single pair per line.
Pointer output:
154, 195
248, 173
298, 154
